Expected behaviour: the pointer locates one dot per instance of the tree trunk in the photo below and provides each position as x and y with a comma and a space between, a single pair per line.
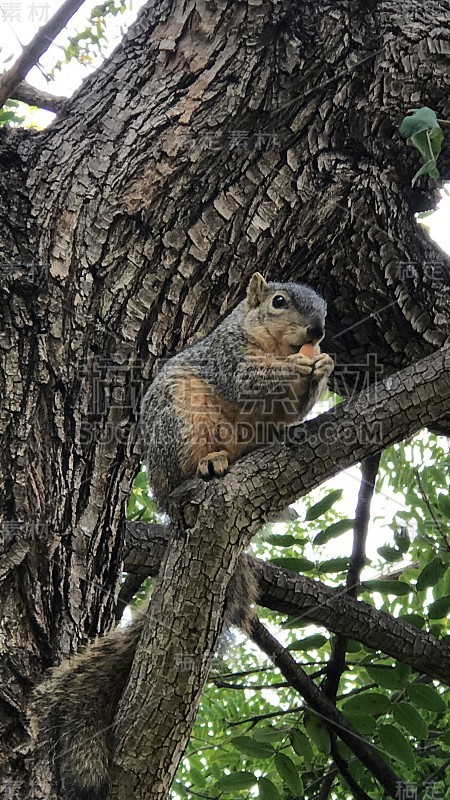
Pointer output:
217, 139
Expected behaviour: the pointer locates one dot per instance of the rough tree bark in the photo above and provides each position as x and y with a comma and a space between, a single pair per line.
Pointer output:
219, 137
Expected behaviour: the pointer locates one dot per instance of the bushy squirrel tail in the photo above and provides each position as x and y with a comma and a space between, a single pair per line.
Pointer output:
75, 710
76, 706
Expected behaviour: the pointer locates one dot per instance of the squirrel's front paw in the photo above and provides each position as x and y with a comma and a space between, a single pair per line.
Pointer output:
214, 464
304, 364
323, 366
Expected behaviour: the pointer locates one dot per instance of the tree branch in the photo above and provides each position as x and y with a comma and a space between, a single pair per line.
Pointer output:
327, 784
342, 614
342, 765
130, 586
32, 52
312, 600
27, 93
369, 469
318, 701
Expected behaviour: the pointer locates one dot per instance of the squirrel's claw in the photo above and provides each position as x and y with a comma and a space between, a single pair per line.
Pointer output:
304, 364
323, 366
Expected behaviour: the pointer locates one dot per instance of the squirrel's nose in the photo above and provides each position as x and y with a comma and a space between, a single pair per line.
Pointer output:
315, 332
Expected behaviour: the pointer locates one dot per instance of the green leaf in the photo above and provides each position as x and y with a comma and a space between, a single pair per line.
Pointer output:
282, 540
8, 116
397, 588
353, 646
317, 731
238, 780
363, 723
407, 716
430, 574
372, 703
402, 540
394, 743
428, 144
294, 564
197, 776
301, 746
427, 147
141, 481
323, 505
268, 733
334, 565
267, 790
216, 770
440, 608
312, 642
252, 748
288, 773
334, 530
421, 119
426, 696
413, 619
388, 677
425, 133
444, 505
389, 554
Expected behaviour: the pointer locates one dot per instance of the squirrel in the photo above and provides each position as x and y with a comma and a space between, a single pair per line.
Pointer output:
235, 390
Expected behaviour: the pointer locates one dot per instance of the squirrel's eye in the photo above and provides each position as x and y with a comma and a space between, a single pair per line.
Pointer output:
279, 301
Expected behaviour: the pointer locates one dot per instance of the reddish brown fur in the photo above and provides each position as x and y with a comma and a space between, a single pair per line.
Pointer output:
217, 425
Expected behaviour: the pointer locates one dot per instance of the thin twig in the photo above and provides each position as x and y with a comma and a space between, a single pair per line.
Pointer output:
397, 573
243, 673
253, 686
33, 51
259, 717
129, 588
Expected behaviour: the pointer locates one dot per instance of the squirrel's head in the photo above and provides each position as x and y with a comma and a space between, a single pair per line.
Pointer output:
282, 317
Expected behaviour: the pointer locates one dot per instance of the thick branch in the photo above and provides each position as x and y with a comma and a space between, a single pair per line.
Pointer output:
36, 48
328, 607
342, 614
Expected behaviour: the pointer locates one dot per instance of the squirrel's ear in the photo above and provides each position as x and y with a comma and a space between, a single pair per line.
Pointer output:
257, 290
